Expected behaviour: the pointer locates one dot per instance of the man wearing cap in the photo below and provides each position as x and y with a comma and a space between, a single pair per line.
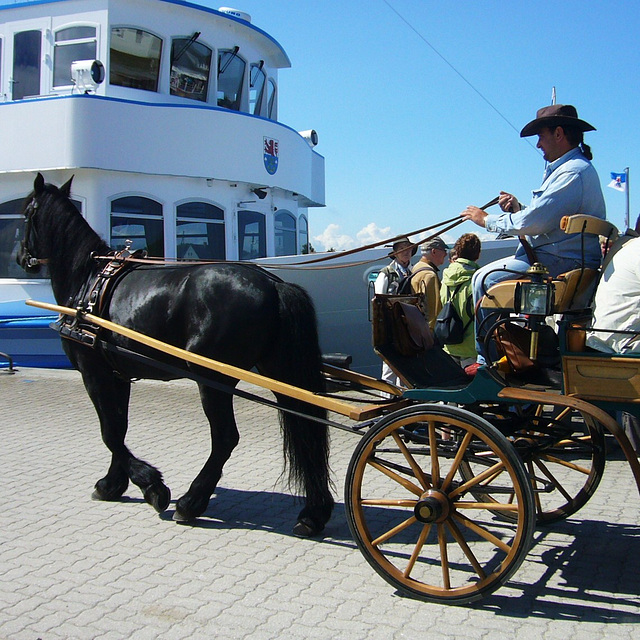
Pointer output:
570, 185
425, 280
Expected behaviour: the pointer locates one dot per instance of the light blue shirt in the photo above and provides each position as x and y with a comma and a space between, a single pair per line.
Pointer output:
571, 185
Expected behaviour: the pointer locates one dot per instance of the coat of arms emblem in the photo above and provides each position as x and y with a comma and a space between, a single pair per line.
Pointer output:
270, 155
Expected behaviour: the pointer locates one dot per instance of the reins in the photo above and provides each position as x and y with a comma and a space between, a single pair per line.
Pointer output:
313, 263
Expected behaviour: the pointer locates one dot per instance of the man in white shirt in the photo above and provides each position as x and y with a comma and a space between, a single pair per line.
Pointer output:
616, 304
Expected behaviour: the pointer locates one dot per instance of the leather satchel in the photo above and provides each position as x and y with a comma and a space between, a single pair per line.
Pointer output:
411, 332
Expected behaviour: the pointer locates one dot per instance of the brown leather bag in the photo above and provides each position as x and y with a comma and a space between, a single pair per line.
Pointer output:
411, 332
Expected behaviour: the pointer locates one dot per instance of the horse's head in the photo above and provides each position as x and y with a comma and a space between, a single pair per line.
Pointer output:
32, 254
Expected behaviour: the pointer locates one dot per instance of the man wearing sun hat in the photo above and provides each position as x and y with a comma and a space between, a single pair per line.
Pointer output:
570, 185
426, 277
402, 250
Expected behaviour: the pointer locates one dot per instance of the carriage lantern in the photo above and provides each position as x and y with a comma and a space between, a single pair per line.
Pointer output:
534, 298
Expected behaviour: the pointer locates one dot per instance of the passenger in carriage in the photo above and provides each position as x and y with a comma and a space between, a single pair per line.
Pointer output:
425, 281
456, 287
615, 307
388, 281
570, 185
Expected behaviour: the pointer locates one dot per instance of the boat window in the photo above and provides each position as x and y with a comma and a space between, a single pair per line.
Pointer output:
134, 58
303, 235
252, 237
257, 80
72, 43
27, 47
230, 79
190, 68
271, 100
140, 220
200, 232
285, 234
11, 234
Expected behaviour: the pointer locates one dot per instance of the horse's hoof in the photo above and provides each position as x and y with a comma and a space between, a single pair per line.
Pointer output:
181, 517
306, 528
113, 497
158, 496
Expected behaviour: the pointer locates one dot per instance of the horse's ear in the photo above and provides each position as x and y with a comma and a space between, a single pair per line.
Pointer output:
66, 187
38, 184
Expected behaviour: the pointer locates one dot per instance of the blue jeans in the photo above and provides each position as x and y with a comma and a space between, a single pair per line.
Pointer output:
499, 270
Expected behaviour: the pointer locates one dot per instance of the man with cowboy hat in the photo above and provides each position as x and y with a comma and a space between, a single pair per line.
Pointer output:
570, 185
388, 280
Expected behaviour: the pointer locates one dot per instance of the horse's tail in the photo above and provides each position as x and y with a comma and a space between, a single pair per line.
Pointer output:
306, 441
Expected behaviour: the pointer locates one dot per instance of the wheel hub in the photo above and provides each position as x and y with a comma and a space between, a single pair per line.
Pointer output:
433, 506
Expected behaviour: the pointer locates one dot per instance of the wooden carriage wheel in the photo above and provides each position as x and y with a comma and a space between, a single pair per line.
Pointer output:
414, 516
563, 450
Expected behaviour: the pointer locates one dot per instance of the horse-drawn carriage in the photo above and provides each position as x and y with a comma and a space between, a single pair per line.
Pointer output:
450, 475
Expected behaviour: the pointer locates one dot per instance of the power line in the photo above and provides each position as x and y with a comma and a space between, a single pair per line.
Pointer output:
458, 73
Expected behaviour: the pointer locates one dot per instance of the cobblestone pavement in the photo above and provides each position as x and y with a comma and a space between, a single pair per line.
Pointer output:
73, 568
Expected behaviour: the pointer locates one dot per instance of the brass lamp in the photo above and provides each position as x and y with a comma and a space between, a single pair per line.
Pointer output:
535, 299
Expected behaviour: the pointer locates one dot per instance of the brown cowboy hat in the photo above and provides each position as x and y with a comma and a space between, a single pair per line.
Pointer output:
398, 246
555, 115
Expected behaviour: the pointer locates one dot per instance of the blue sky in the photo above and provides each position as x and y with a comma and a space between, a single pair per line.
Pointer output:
418, 114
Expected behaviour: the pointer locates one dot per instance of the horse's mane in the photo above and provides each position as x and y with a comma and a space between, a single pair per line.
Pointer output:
69, 239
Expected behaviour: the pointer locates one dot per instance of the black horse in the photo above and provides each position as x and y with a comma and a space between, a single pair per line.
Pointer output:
236, 313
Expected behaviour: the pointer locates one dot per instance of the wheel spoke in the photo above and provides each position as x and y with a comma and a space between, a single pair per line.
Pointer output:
566, 464
481, 531
444, 558
464, 445
491, 506
393, 531
459, 538
464, 487
408, 485
553, 480
417, 549
411, 460
388, 502
435, 463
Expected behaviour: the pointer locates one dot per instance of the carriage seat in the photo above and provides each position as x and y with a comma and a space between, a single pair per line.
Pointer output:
403, 339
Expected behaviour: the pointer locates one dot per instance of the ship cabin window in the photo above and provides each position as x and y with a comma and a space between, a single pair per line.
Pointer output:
140, 220
271, 100
72, 43
303, 235
285, 234
134, 58
257, 81
252, 237
190, 68
27, 55
230, 79
11, 234
200, 232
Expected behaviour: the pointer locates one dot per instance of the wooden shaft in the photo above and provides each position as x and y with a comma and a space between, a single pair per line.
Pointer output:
237, 373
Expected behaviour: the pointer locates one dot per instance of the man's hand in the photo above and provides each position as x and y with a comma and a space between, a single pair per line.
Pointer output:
508, 202
475, 214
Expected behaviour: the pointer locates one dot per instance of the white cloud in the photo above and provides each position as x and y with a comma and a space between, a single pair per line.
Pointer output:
331, 238
372, 233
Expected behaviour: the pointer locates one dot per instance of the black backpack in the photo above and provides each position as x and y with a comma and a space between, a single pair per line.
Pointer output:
449, 327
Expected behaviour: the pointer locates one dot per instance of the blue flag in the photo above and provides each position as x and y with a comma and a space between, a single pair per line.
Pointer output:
618, 181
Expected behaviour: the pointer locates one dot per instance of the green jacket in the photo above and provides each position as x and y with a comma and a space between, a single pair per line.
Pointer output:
460, 272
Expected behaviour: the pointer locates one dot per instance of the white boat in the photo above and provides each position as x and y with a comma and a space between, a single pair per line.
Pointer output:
166, 113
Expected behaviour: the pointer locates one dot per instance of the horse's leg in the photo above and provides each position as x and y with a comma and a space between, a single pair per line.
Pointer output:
218, 407
110, 396
306, 446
